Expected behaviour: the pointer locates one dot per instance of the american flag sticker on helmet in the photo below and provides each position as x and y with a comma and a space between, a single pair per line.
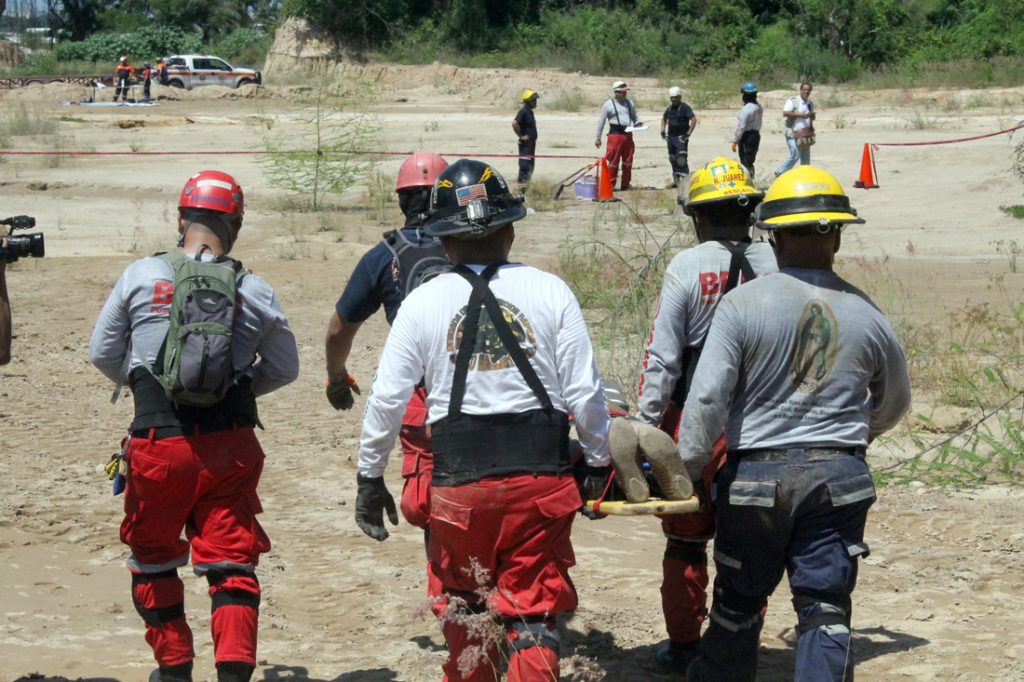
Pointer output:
464, 195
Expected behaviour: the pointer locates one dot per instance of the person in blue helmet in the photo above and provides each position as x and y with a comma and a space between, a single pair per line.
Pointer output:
746, 138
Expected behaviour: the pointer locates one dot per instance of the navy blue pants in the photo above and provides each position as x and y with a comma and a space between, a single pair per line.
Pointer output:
528, 149
796, 511
678, 153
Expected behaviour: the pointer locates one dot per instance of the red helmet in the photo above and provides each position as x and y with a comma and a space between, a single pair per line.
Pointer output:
213, 191
420, 170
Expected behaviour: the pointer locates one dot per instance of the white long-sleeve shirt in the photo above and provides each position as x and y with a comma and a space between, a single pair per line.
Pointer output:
799, 358
424, 340
748, 118
694, 282
138, 308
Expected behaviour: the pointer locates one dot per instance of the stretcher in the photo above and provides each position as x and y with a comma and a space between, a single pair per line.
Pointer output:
650, 507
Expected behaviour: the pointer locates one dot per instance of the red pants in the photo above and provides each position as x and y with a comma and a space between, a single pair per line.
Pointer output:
502, 545
620, 146
684, 567
207, 485
417, 461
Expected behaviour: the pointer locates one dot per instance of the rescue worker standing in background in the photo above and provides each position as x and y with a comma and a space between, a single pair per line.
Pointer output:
147, 79
680, 121
506, 360
161, 71
193, 467
383, 277
798, 113
719, 201
525, 127
620, 113
123, 75
746, 138
803, 371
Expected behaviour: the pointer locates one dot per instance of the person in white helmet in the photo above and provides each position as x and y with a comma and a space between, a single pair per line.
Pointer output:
620, 113
677, 124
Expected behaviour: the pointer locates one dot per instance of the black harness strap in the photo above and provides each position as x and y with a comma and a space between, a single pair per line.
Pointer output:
470, 326
482, 292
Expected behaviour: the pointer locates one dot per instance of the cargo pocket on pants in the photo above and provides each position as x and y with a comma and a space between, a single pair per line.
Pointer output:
850, 490
752, 493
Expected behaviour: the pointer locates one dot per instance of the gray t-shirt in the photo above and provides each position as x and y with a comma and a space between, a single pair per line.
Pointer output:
799, 358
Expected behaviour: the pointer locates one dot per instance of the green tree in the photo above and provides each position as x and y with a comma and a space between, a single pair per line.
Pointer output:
326, 156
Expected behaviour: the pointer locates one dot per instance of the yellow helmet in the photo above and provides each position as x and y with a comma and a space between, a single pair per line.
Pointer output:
529, 94
805, 197
720, 179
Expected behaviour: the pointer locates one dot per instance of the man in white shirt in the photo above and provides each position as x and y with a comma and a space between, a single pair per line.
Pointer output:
798, 113
620, 113
506, 359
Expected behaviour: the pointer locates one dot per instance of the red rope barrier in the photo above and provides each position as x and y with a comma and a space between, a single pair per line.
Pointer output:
876, 145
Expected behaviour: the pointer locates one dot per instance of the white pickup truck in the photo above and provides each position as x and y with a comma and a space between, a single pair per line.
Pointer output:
193, 70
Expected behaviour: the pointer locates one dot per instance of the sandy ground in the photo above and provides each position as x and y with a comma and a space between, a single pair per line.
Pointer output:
937, 598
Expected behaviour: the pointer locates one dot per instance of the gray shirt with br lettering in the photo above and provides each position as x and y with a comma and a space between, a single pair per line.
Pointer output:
799, 358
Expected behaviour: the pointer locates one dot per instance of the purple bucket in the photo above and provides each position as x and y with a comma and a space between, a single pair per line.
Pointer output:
586, 188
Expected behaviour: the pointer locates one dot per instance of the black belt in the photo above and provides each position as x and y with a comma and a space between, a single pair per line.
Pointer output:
179, 430
676, 133
779, 455
616, 129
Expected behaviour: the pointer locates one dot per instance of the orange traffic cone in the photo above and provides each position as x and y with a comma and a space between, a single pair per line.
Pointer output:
867, 170
604, 183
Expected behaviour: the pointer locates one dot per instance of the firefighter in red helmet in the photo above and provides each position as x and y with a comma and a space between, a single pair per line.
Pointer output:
191, 466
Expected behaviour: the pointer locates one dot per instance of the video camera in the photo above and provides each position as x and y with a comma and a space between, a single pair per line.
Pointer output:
29, 245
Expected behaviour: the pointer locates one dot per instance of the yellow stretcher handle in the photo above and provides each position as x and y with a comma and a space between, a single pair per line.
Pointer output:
655, 506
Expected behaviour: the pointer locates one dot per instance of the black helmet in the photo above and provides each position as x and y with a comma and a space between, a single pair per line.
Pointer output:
471, 198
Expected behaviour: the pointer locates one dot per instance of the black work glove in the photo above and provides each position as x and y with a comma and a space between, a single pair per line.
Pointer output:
664, 135
701, 495
372, 498
592, 482
339, 393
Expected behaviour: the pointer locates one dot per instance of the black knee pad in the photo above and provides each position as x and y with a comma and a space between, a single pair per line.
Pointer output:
833, 609
531, 633
693, 553
231, 597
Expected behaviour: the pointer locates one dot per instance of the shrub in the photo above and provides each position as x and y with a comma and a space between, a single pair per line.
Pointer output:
151, 41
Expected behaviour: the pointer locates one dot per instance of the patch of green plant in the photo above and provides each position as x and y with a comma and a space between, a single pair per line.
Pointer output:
617, 278
1010, 248
327, 155
22, 121
1014, 211
145, 43
918, 121
570, 99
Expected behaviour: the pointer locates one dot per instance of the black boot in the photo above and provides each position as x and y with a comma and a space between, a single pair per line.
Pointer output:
172, 673
234, 671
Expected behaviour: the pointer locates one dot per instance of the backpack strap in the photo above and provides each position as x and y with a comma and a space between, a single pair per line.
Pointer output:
738, 264
482, 295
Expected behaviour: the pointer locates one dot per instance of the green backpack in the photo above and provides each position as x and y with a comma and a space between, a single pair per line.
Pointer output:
195, 363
